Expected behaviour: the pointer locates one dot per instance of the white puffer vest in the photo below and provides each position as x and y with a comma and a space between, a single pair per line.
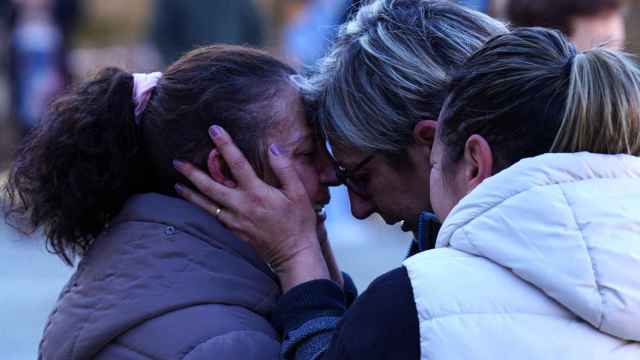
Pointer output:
541, 261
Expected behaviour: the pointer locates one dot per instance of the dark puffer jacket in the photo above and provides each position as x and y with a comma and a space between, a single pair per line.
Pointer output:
165, 281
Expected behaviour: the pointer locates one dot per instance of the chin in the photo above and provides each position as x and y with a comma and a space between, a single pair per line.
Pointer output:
409, 227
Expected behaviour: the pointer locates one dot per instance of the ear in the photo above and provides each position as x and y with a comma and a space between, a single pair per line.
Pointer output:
218, 169
478, 162
424, 133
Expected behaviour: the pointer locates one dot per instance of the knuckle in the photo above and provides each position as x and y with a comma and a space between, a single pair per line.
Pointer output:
211, 208
208, 188
233, 225
298, 193
223, 140
238, 163
285, 166
256, 200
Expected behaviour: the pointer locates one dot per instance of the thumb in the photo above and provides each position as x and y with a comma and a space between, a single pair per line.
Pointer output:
284, 171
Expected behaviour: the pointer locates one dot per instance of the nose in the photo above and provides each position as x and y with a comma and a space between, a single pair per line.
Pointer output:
361, 208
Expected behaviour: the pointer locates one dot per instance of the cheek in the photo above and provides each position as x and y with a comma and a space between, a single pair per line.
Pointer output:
308, 176
440, 195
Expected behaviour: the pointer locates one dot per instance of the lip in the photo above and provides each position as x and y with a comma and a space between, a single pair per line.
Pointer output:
389, 220
408, 226
319, 209
321, 215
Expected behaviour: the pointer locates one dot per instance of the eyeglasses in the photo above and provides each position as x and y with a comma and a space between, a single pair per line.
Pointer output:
346, 176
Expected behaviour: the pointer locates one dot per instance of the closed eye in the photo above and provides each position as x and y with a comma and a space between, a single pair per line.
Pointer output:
307, 153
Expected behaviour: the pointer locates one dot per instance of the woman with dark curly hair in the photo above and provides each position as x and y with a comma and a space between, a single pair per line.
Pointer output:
158, 278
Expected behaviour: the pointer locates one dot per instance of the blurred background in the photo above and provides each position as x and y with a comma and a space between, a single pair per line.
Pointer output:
47, 44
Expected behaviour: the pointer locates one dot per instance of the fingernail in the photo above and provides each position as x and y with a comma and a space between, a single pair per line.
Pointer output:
215, 130
179, 188
179, 165
275, 150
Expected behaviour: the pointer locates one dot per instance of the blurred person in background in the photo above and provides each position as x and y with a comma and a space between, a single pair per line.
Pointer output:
478, 5
587, 23
313, 30
179, 26
308, 37
157, 278
40, 33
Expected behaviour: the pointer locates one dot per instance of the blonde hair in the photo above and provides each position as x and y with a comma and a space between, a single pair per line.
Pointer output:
603, 105
530, 92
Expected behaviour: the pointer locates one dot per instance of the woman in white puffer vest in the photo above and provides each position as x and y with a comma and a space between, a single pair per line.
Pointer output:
538, 256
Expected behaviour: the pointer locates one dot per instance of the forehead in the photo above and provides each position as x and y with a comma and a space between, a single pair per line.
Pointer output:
290, 121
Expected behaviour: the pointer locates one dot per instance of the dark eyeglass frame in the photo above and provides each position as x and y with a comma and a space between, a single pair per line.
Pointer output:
345, 176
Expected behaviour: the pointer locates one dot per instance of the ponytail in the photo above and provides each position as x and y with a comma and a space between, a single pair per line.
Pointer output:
602, 112
530, 92
75, 171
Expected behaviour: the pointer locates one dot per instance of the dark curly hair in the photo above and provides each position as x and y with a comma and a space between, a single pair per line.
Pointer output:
74, 172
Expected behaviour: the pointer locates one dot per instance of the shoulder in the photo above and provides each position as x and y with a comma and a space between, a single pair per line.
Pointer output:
382, 323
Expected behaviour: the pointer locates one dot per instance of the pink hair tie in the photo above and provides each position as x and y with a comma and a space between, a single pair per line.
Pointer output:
143, 85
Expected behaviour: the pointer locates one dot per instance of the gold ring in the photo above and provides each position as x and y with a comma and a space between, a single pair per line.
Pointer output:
218, 212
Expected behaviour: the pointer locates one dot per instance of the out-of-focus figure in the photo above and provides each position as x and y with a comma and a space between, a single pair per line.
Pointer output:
39, 32
479, 5
182, 25
588, 23
307, 37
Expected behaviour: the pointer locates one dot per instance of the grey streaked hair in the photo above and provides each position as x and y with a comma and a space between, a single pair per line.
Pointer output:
389, 68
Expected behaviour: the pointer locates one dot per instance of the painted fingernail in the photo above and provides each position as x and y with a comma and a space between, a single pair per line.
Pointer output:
179, 165
275, 150
215, 130
179, 188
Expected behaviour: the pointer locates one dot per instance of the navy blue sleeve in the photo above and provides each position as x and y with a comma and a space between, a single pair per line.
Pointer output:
349, 289
381, 324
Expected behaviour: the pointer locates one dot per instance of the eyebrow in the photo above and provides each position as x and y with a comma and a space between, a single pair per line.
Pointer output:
348, 167
302, 138
352, 167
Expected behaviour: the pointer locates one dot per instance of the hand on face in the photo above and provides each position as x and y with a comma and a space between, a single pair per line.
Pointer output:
279, 223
